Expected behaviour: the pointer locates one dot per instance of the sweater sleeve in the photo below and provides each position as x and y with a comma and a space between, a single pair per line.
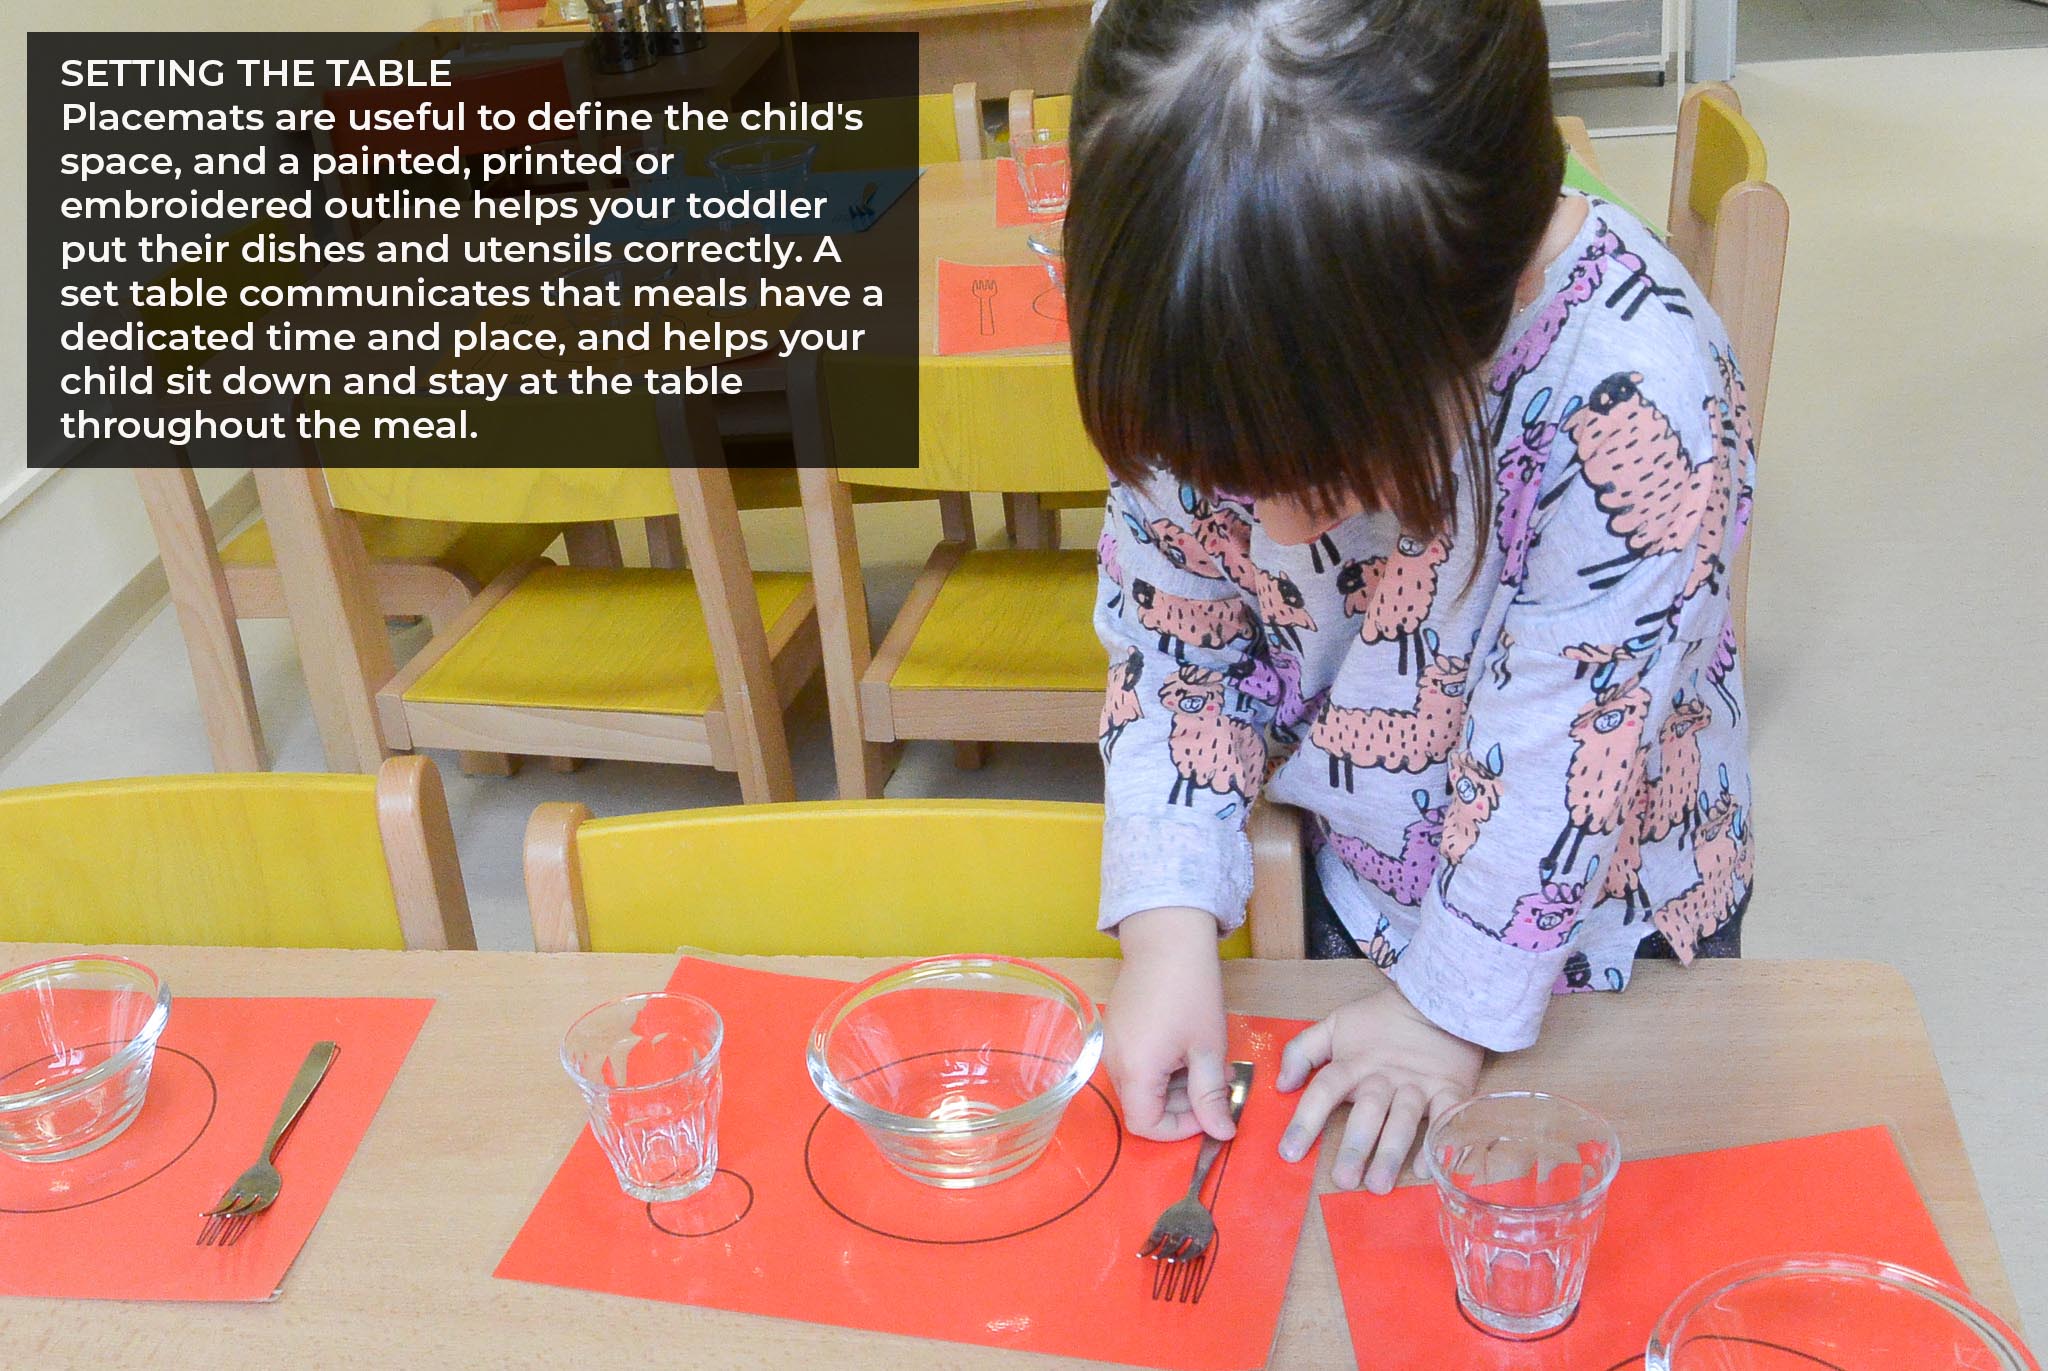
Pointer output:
1546, 810
1183, 747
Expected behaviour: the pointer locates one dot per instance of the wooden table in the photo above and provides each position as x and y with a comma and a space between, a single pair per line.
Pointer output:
956, 212
398, 1274
998, 44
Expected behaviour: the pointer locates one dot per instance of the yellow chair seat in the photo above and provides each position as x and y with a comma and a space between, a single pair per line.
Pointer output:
478, 551
1007, 620
629, 639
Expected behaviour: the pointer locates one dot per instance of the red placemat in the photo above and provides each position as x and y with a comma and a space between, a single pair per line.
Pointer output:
987, 309
1670, 1221
805, 1221
120, 1223
1010, 211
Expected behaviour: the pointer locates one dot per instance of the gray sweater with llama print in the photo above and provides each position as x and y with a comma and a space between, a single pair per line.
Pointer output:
1514, 772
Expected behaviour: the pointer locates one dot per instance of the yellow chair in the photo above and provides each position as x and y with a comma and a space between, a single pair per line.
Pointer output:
429, 570
237, 860
1729, 225
991, 645
874, 878
640, 664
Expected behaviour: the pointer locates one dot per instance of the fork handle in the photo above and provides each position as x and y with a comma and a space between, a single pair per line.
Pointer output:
1212, 1148
303, 1085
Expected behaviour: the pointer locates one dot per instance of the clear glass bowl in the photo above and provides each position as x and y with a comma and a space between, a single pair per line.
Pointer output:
1798, 1313
77, 1039
958, 1069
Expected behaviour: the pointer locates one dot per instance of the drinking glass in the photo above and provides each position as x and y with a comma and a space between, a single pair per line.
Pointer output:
648, 1069
1521, 1179
1043, 171
480, 16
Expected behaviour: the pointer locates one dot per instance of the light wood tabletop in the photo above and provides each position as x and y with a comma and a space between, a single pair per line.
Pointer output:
907, 14
956, 212
398, 1273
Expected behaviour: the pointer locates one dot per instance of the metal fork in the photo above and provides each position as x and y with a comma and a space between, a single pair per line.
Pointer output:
1186, 1229
255, 1190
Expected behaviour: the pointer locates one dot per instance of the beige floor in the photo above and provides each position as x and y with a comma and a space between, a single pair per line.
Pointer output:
1897, 629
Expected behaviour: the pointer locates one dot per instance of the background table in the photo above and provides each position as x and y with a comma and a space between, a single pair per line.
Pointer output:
399, 1271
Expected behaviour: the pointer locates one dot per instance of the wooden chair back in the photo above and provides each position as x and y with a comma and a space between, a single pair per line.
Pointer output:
898, 878
237, 860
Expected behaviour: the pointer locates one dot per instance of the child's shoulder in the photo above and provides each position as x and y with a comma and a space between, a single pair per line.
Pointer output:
1632, 314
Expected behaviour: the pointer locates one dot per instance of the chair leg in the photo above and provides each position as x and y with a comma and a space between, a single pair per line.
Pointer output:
489, 764
1024, 517
206, 618
565, 766
593, 545
970, 756
665, 543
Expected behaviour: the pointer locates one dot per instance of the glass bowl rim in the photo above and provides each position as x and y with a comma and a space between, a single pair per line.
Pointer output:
1868, 1270
1444, 1182
707, 1062
120, 1059
1078, 1072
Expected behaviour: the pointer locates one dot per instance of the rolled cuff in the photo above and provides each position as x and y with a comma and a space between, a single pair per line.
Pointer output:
1152, 863
1476, 986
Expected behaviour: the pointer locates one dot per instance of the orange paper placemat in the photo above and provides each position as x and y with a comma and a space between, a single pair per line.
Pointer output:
119, 1223
1670, 1221
805, 1221
986, 309
1010, 211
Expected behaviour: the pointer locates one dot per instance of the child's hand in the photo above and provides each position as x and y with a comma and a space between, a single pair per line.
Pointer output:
1166, 1013
1396, 1068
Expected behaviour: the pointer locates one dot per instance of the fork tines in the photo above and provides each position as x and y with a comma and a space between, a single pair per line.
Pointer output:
1184, 1282
225, 1226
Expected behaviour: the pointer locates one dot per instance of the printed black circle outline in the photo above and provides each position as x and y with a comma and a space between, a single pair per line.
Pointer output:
1059, 318
212, 1104
732, 1222
1115, 1157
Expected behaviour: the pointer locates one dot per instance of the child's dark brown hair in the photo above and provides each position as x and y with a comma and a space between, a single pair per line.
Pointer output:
1295, 236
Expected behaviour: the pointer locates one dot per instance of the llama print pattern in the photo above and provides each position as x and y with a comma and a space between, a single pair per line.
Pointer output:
1110, 560
1121, 706
1588, 275
1272, 677
1564, 809
1403, 740
1545, 920
1227, 538
1643, 479
1406, 877
1519, 477
1661, 804
1391, 595
1180, 622
1475, 794
1607, 739
1701, 908
1211, 750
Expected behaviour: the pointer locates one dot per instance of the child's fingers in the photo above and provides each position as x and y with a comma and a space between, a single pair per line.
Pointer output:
1306, 1051
1152, 1108
1323, 1094
1404, 1116
1209, 1093
1368, 1113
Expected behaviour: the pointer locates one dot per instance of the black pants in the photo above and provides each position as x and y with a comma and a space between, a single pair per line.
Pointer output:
1329, 940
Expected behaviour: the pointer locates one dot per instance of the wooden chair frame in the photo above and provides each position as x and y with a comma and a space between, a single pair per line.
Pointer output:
869, 715
419, 853
1738, 258
210, 596
561, 915
321, 555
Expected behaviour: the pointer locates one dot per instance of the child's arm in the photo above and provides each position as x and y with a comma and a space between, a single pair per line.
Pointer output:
1183, 758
